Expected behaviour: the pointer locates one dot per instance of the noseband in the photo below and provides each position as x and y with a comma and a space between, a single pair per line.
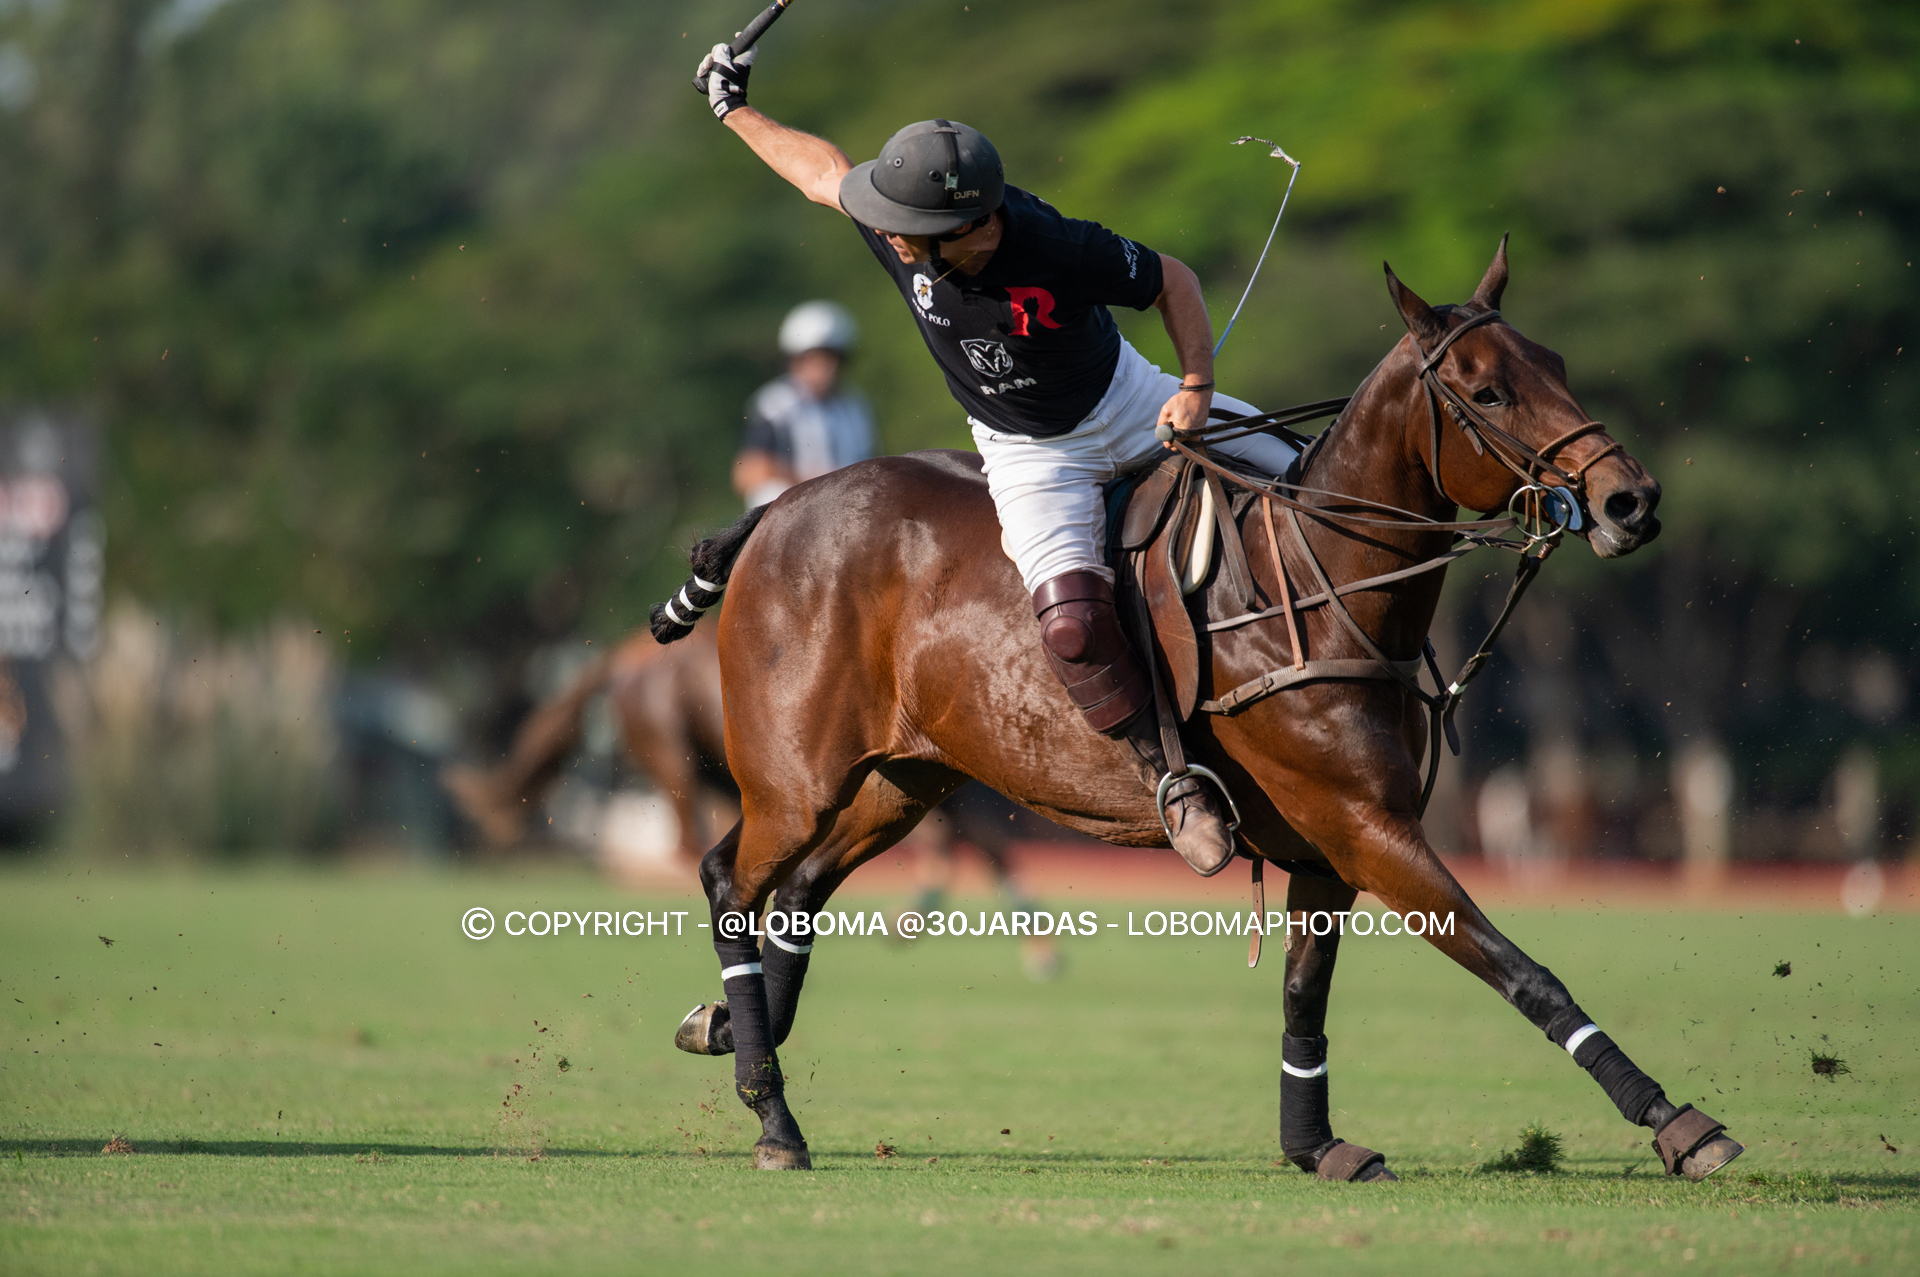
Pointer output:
1530, 464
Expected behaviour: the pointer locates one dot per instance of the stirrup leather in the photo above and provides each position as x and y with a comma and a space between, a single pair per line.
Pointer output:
1206, 773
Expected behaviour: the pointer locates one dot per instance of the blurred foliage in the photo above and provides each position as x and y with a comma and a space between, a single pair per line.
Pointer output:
432, 320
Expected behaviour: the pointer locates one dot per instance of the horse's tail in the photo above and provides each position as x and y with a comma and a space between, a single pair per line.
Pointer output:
712, 562
495, 799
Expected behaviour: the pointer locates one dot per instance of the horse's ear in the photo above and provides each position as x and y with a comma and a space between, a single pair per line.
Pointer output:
1426, 327
1487, 296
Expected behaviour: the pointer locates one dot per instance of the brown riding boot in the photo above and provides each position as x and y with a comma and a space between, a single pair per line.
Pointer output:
1080, 629
1192, 813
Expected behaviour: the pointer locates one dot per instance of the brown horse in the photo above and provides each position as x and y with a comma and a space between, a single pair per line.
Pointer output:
666, 701
878, 650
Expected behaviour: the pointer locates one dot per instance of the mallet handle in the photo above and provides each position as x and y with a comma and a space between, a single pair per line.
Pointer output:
744, 40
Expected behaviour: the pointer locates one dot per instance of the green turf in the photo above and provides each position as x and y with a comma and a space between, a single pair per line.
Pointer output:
318, 1072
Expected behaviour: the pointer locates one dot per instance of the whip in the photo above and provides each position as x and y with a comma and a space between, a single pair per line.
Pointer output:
1275, 153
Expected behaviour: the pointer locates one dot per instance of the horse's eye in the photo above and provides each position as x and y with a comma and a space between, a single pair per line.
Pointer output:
1489, 397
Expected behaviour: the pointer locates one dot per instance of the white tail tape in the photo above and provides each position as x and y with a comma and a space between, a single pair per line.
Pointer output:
708, 586
1319, 1070
745, 968
1581, 1035
675, 617
790, 948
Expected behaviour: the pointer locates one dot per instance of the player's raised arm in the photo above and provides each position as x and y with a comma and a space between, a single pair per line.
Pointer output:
814, 165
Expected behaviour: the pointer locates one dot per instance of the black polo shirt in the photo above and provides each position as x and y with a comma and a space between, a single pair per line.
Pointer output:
1027, 345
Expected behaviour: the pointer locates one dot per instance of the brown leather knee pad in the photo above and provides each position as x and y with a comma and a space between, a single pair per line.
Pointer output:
1080, 629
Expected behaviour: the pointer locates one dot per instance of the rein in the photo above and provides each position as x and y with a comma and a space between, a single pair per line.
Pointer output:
1541, 514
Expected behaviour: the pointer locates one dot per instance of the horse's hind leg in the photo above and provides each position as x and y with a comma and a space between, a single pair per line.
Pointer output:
739, 874
1306, 1127
881, 814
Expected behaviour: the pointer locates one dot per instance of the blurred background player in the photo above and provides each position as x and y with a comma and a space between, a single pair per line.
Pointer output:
808, 422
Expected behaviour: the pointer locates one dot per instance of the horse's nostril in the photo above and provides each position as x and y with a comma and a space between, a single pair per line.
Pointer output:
1626, 510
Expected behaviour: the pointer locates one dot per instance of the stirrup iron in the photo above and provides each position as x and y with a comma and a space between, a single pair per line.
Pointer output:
1205, 773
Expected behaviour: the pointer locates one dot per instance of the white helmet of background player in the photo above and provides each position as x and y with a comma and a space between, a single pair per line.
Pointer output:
818, 326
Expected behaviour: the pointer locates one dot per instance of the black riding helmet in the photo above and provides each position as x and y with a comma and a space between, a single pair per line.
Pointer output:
932, 178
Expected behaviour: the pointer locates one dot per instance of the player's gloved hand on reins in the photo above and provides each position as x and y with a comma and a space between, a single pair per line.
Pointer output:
723, 78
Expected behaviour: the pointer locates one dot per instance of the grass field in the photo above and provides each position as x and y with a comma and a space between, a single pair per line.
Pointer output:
320, 1073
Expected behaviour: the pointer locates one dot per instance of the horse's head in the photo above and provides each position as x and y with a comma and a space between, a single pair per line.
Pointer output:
1496, 415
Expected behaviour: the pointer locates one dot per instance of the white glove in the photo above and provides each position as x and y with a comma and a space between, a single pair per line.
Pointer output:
723, 78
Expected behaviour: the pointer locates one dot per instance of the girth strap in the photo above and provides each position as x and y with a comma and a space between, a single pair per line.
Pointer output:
1328, 671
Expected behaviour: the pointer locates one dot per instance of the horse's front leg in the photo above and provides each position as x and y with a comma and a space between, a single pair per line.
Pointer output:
1386, 853
1306, 1127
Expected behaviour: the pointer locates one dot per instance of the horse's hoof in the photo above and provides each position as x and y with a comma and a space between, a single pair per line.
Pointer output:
1694, 1146
1710, 1157
707, 1030
1350, 1163
781, 1157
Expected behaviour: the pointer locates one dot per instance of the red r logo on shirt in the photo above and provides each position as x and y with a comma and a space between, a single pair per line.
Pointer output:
1042, 311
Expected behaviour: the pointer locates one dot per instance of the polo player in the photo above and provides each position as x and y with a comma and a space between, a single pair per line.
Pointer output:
1011, 297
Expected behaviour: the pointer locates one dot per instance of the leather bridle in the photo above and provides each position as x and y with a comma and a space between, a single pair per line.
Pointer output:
1531, 465
1541, 511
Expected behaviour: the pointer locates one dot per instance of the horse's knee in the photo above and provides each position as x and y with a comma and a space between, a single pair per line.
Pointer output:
716, 871
806, 889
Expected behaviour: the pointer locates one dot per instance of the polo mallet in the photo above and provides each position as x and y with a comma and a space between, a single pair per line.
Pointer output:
744, 40
1278, 154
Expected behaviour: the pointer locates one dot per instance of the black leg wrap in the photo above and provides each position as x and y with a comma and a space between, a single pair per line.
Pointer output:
1631, 1091
786, 973
1564, 1023
756, 1070
1306, 1131
1634, 1093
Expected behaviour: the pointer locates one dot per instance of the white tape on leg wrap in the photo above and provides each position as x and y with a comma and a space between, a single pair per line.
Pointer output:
790, 948
1318, 1070
745, 968
1580, 1035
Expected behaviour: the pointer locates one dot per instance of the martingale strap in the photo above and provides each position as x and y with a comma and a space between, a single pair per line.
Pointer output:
1351, 587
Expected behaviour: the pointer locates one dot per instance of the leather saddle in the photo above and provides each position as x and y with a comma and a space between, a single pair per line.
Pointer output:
1173, 532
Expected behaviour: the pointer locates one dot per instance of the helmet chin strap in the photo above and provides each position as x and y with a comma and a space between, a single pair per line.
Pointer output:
934, 242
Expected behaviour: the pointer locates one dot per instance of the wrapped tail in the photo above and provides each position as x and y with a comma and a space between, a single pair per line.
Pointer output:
712, 562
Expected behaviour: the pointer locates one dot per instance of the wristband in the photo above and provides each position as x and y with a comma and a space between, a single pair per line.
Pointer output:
1199, 385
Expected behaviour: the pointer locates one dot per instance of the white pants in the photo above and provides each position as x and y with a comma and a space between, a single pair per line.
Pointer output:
1047, 491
